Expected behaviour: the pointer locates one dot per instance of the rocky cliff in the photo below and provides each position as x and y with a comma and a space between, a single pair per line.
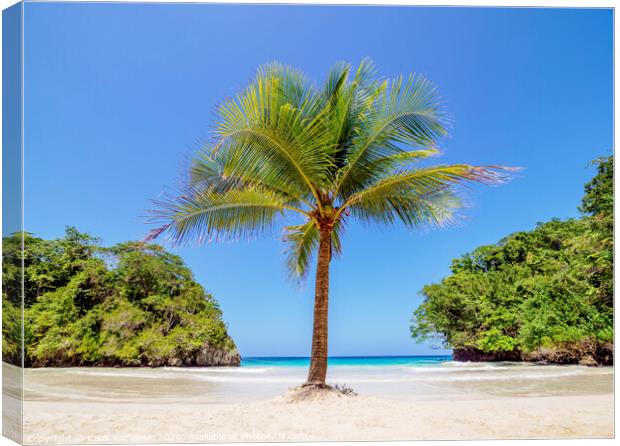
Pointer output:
584, 353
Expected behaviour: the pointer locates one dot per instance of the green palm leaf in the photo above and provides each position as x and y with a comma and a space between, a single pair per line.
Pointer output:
302, 243
265, 129
407, 112
208, 171
420, 196
201, 213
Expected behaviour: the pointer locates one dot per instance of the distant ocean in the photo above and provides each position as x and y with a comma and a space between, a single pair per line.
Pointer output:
417, 360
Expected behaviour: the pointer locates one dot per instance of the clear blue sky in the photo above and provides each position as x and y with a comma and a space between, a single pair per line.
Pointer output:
118, 95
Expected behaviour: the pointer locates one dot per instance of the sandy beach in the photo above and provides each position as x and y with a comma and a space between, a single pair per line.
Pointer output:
357, 418
447, 401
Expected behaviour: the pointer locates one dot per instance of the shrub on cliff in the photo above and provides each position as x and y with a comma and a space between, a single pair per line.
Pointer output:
131, 304
548, 290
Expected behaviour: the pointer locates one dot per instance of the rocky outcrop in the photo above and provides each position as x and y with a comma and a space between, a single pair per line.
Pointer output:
584, 353
209, 356
475, 355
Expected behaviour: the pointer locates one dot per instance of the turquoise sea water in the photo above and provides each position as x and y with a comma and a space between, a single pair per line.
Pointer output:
275, 361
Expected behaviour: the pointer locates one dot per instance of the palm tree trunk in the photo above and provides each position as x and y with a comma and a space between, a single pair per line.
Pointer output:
318, 358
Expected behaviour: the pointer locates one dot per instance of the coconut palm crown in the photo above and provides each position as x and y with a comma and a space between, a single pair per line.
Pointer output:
347, 149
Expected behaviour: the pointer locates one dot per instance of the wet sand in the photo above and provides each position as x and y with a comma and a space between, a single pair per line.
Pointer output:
453, 401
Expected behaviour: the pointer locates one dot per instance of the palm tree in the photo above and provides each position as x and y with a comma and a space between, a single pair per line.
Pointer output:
328, 154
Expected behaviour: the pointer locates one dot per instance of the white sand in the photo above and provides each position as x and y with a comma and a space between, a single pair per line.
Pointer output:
353, 418
458, 401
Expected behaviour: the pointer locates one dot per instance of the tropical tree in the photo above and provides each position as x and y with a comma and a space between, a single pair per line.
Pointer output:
330, 153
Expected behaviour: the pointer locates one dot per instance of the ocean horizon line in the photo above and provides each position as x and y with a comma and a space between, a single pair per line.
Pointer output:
345, 356
304, 361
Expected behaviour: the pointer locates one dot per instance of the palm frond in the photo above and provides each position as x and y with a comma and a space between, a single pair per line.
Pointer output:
436, 209
208, 171
302, 244
293, 86
346, 103
202, 213
420, 196
409, 112
266, 129
397, 162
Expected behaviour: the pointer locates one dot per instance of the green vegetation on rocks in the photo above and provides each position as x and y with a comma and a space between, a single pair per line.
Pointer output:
130, 305
545, 294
